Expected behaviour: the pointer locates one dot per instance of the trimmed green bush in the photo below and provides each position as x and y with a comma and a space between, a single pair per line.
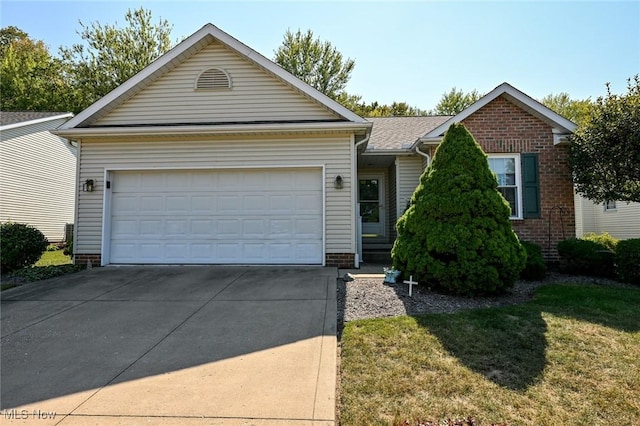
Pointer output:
535, 268
20, 245
456, 234
604, 239
586, 257
628, 260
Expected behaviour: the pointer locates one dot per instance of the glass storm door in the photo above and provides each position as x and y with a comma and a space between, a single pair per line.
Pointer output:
370, 196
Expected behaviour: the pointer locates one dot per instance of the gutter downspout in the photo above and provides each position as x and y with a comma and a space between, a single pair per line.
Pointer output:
357, 220
424, 154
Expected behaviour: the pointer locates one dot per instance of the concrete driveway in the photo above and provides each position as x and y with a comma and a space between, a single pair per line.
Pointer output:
188, 345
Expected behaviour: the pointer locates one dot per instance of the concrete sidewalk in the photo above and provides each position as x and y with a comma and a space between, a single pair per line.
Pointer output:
172, 345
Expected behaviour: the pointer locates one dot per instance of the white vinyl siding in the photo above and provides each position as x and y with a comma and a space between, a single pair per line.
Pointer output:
622, 223
332, 152
37, 178
255, 95
409, 169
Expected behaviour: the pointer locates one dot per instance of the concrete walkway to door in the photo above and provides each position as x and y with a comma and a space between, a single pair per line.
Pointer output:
183, 345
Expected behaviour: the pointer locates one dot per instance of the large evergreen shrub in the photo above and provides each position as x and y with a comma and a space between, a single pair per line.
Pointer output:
20, 245
456, 234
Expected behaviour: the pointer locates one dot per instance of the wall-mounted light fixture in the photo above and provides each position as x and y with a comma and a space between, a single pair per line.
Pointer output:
88, 185
337, 183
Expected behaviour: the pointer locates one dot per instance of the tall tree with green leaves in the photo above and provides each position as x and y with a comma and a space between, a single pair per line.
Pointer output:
316, 62
454, 101
111, 54
605, 149
577, 111
31, 79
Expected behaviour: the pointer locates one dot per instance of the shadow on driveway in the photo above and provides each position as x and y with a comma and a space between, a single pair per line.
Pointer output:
109, 326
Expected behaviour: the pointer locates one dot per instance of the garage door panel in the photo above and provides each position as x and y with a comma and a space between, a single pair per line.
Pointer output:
308, 228
152, 204
255, 228
202, 227
201, 252
151, 228
228, 204
254, 203
178, 204
229, 228
308, 203
124, 228
224, 216
202, 204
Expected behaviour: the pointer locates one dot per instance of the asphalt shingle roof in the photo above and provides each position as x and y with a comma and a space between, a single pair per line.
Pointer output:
13, 117
396, 133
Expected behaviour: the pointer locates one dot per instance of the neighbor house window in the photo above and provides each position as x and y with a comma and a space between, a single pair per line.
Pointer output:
507, 170
609, 205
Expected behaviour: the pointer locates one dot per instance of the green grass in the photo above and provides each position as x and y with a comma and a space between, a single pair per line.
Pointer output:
571, 356
52, 263
53, 258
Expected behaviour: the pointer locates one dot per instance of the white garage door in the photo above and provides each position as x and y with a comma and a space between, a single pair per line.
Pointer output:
223, 216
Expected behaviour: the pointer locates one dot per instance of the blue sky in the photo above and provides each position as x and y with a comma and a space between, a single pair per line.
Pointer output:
404, 51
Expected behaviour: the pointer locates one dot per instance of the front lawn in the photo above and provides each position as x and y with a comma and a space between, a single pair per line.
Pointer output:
53, 258
571, 356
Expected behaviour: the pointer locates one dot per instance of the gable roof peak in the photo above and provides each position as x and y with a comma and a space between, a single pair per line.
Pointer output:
186, 49
560, 124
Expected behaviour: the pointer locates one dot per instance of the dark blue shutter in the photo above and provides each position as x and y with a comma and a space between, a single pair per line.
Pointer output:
530, 186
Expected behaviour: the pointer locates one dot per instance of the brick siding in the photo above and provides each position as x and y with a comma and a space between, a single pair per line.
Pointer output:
340, 260
502, 127
83, 259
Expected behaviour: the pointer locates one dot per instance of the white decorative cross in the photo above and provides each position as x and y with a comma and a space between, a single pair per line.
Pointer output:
411, 283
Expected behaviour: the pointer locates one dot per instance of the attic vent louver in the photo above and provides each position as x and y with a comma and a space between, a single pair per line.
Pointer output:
213, 78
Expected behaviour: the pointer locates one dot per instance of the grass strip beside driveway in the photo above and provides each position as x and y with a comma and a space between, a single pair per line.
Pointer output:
570, 356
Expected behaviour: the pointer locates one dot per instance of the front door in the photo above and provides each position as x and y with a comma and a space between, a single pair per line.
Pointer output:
371, 196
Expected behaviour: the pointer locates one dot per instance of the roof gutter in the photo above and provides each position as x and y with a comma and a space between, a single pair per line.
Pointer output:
36, 121
213, 129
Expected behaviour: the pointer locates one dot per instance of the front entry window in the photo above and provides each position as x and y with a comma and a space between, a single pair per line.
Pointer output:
370, 200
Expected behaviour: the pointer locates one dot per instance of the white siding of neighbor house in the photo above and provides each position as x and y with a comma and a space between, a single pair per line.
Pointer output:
332, 151
37, 178
255, 95
409, 169
623, 222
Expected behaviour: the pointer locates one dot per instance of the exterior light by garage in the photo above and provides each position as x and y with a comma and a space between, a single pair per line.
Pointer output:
337, 183
88, 185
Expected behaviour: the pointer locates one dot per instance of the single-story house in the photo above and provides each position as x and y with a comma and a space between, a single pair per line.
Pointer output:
214, 154
618, 218
37, 172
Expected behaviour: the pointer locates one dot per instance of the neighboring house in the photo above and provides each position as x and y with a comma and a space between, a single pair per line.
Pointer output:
214, 154
619, 218
37, 172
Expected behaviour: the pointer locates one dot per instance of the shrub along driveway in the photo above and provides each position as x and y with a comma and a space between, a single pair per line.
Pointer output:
172, 345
